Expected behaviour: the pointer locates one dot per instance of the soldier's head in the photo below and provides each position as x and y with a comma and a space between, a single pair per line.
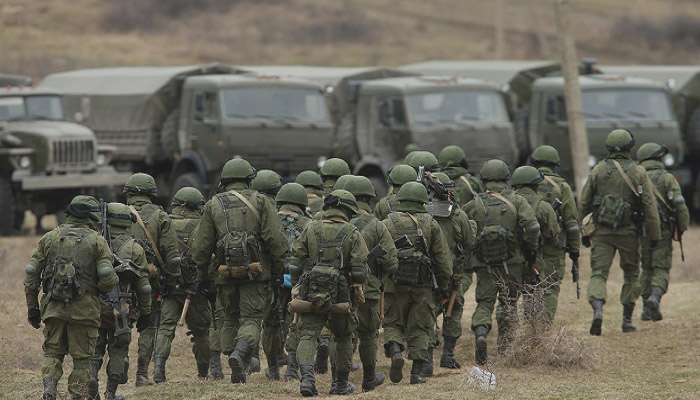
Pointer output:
494, 170
292, 193
342, 181
401, 174
310, 180
119, 216
619, 141
189, 198
412, 197
84, 209
652, 151
334, 168
545, 156
452, 156
423, 159
141, 184
361, 187
237, 170
342, 200
526, 176
267, 181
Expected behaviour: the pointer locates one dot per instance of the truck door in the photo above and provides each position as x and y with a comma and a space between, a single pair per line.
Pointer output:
390, 127
205, 125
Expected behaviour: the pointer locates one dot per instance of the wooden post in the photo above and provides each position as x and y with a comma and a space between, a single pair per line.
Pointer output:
499, 33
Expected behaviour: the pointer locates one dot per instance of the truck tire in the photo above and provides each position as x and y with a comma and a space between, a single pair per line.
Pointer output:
7, 208
168, 134
188, 179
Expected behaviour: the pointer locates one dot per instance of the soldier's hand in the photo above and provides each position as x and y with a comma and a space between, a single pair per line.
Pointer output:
586, 241
34, 318
531, 257
143, 322
277, 280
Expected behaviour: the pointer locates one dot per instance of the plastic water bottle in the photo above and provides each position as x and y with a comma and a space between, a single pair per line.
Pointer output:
482, 378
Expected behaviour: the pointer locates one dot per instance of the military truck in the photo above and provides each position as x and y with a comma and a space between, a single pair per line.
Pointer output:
45, 160
378, 111
181, 124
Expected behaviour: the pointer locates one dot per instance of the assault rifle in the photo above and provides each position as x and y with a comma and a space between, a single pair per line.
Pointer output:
433, 278
677, 235
279, 312
574, 276
115, 296
376, 252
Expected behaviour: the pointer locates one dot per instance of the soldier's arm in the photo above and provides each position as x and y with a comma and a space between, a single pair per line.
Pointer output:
143, 287
204, 244
528, 223
587, 195
106, 277
299, 254
169, 250
33, 272
651, 212
678, 202
550, 229
273, 236
476, 185
388, 263
570, 215
440, 256
357, 265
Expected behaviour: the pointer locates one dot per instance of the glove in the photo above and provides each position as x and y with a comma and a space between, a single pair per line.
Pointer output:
573, 256
586, 241
34, 318
143, 322
654, 244
531, 257
168, 290
277, 280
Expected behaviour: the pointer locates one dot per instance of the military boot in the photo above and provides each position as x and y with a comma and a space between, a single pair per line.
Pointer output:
449, 358
307, 386
627, 311
653, 304
94, 386
282, 358
215, 372
597, 324
49, 388
111, 390
645, 311
417, 372
334, 381
202, 371
292, 372
237, 361
428, 365
273, 369
480, 351
393, 350
322, 357
343, 385
370, 378
142, 373
159, 369
253, 361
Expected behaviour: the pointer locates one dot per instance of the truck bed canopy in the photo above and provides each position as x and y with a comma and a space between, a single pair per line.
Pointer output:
686, 77
14, 80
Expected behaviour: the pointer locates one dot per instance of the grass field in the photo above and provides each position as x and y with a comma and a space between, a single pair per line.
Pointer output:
660, 361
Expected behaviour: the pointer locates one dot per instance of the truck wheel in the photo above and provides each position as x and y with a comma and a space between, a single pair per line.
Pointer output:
168, 134
7, 207
188, 179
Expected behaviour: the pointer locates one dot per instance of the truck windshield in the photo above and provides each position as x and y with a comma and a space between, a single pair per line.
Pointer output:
456, 106
37, 107
274, 104
621, 105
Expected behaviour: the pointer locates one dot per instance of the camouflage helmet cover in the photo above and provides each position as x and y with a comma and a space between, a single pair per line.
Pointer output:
266, 181
413, 191
310, 178
189, 197
651, 150
494, 170
526, 175
341, 198
545, 154
401, 174
293, 193
334, 167
141, 184
237, 168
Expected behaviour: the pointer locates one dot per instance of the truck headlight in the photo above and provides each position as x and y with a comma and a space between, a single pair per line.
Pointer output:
101, 160
104, 157
24, 162
592, 161
668, 160
321, 160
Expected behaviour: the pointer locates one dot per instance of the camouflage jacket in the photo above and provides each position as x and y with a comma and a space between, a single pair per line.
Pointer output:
466, 185
185, 223
293, 222
560, 190
385, 206
672, 204
460, 233
547, 218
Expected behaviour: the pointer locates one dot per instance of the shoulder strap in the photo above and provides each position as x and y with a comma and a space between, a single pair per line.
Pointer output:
247, 203
148, 236
469, 185
625, 177
660, 197
503, 199
553, 183
418, 225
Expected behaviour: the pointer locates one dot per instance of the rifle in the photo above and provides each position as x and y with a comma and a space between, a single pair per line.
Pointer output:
677, 236
115, 296
433, 278
376, 252
574, 276
556, 205
277, 302
159, 311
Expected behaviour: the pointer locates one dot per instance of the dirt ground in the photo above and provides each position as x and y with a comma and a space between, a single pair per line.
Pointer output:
660, 361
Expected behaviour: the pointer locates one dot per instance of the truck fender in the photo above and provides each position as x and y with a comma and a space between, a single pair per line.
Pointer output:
186, 161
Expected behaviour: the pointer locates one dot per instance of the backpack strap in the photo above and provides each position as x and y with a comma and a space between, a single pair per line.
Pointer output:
418, 226
625, 177
148, 236
469, 185
553, 183
661, 198
248, 204
503, 199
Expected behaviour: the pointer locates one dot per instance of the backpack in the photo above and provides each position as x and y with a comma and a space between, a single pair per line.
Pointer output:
62, 277
292, 230
412, 260
613, 212
185, 230
496, 242
239, 244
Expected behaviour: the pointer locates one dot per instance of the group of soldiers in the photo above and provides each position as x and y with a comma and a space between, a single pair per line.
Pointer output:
312, 271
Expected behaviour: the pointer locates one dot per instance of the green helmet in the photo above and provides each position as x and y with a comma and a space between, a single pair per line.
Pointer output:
425, 159
334, 167
266, 181
341, 198
545, 155
119, 214
494, 170
361, 186
141, 184
237, 168
444, 179
410, 148
85, 207
310, 178
619, 140
409, 156
342, 182
452, 156
526, 175
189, 197
651, 150
292, 193
413, 191
401, 174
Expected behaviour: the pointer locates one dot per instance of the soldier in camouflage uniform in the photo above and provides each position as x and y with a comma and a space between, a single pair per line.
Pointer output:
159, 241
398, 175
313, 184
328, 261
423, 159
620, 196
554, 190
411, 307
331, 170
185, 215
215, 372
506, 244
453, 163
72, 264
133, 282
673, 212
267, 182
525, 181
241, 227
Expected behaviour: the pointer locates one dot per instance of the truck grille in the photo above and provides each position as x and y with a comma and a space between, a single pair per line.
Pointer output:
71, 154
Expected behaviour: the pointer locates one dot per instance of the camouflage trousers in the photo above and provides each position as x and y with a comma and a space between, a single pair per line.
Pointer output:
452, 326
117, 348
495, 283
270, 324
656, 265
552, 269
197, 319
341, 327
64, 337
146, 336
602, 252
409, 317
214, 328
243, 310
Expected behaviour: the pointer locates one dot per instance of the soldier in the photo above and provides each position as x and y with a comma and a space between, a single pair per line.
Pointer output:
411, 306
620, 197
215, 372
242, 228
382, 263
72, 264
334, 254
185, 216
154, 232
331, 170
453, 162
114, 338
507, 239
313, 184
398, 175
423, 159
554, 190
460, 233
525, 181
673, 212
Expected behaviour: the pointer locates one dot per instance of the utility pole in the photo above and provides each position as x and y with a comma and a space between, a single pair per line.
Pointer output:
572, 94
499, 31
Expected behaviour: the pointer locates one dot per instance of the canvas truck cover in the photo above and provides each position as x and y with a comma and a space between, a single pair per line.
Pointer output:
15, 80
